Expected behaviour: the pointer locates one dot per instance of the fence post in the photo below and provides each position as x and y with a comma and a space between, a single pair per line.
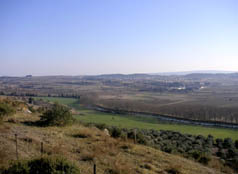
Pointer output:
135, 136
28, 145
42, 149
94, 169
16, 146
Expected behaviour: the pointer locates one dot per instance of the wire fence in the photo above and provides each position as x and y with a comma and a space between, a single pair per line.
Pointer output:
93, 169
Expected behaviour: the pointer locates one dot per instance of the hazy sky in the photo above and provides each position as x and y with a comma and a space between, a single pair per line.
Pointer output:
75, 37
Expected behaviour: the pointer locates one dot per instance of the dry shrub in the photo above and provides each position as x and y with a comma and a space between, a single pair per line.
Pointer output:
127, 146
175, 169
148, 166
3, 155
110, 146
121, 167
27, 139
227, 169
111, 171
87, 156
4, 129
83, 133
46, 164
55, 150
12, 120
217, 164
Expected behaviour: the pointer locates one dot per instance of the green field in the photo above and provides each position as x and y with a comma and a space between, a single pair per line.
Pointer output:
128, 121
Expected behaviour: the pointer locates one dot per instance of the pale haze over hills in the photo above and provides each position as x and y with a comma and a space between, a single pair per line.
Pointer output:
81, 37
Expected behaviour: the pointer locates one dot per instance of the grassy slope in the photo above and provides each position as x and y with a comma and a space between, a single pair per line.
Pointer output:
143, 123
111, 155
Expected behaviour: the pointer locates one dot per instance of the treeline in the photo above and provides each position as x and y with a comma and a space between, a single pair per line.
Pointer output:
200, 112
15, 94
193, 112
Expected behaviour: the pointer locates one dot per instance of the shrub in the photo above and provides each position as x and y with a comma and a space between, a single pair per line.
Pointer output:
167, 147
236, 144
115, 132
30, 100
209, 141
227, 143
174, 170
196, 155
5, 110
180, 150
58, 115
101, 126
219, 143
140, 138
46, 165
124, 135
131, 134
231, 153
221, 154
204, 159
19, 167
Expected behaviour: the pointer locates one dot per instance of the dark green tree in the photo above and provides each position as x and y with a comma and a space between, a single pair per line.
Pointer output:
30, 100
58, 115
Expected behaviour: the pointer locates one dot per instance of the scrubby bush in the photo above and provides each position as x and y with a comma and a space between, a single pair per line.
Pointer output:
101, 126
196, 155
115, 132
209, 141
227, 143
221, 154
124, 135
19, 167
219, 143
174, 170
204, 159
46, 165
30, 100
5, 110
232, 153
140, 138
131, 134
58, 115
236, 144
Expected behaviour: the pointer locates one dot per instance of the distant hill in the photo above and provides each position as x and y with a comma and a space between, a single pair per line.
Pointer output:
211, 75
193, 72
185, 74
120, 76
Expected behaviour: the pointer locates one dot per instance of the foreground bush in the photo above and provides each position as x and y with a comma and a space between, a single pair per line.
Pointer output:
115, 132
58, 115
5, 110
46, 165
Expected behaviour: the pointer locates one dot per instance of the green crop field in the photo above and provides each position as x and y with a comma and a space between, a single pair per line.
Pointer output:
66, 101
129, 121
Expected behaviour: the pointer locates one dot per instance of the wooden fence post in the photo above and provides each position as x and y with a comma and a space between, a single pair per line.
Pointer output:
135, 136
16, 146
28, 145
94, 169
42, 149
